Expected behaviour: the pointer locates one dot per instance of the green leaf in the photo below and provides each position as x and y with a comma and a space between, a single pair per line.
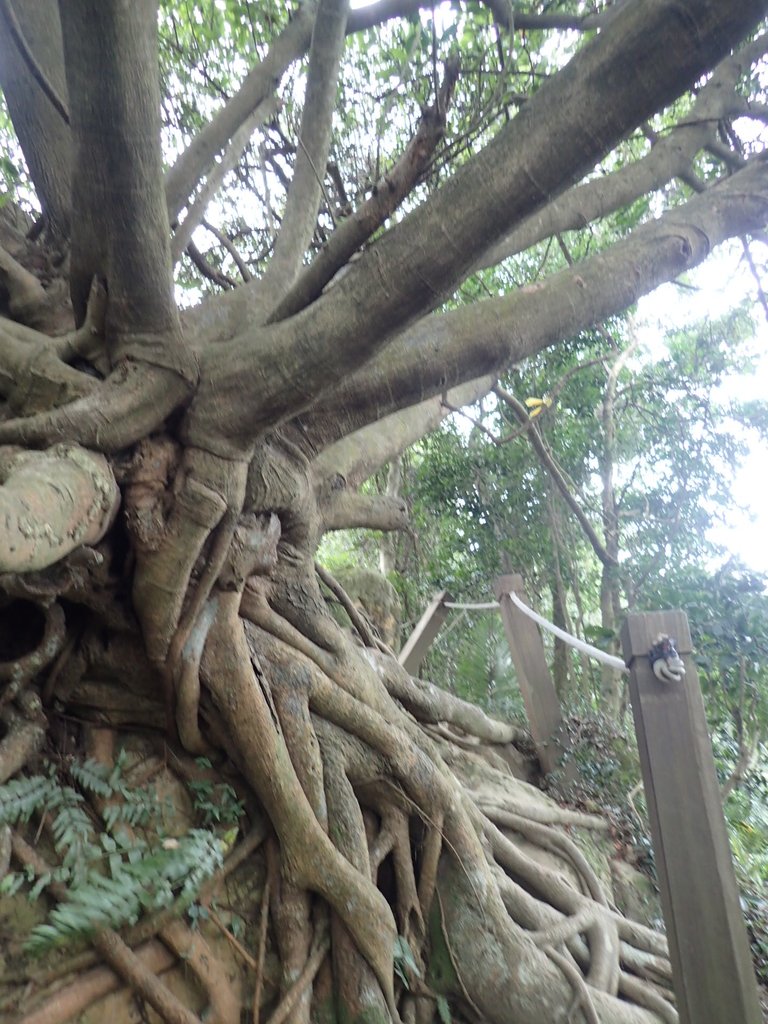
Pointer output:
443, 1009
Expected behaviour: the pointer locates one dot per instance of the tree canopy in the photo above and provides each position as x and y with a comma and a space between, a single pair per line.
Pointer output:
248, 253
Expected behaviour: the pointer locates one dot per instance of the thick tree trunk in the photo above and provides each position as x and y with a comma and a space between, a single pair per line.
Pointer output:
158, 574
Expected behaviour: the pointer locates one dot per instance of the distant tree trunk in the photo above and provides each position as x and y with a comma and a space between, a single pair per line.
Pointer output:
561, 674
387, 547
610, 577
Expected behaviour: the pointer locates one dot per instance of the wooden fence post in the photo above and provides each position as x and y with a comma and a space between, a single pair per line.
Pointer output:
712, 969
539, 695
425, 631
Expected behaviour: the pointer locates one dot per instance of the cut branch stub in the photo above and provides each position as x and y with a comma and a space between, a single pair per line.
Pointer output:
53, 502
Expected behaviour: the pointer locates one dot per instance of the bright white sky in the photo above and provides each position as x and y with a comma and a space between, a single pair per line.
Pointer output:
722, 282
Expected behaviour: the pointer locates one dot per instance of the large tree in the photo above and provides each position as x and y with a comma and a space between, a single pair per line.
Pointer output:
168, 472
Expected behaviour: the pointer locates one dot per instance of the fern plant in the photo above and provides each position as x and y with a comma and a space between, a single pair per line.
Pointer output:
139, 879
115, 875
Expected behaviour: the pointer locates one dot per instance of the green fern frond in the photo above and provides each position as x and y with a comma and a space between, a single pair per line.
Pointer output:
93, 776
114, 876
72, 829
11, 883
20, 798
157, 878
135, 807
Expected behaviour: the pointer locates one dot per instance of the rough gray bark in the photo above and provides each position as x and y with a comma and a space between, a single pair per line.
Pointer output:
120, 229
442, 350
43, 134
236, 444
413, 266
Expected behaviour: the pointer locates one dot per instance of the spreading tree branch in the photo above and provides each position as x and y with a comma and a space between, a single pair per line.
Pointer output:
443, 350
114, 91
374, 14
8, 15
230, 247
207, 270
671, 156
360, 454
763, 299
553, 139
386, 196
42, 132
216, 175
112, 77
259, 85
306, 189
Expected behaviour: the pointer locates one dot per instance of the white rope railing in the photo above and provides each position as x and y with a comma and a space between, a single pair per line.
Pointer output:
580, 645
484, 607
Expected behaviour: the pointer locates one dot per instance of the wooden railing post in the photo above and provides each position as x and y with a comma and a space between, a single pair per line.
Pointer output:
539, 695
712, 969
425, 631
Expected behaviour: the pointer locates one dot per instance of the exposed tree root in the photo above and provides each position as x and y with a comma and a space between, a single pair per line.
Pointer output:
409, 871
431, 704
357, 620
311, 861
403, 760
131, 403
113, 949
25, 730
224, 998
582, 997
300, 986
262, 949
69, 1001
391, 825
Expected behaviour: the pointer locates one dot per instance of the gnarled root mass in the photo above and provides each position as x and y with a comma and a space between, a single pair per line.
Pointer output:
408, 874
